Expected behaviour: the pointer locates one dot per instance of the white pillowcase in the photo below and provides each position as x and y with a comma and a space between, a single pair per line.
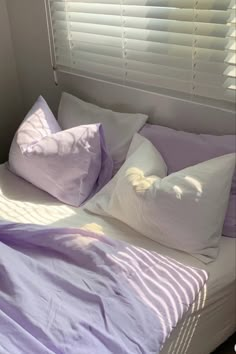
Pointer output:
119, 128
184, 210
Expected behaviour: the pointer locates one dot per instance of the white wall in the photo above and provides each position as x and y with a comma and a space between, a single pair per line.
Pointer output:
10, 101
29, 30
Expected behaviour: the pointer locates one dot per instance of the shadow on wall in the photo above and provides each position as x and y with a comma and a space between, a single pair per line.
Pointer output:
10, 95
8, 126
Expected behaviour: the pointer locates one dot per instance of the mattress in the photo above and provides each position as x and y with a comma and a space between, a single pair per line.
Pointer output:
210, 320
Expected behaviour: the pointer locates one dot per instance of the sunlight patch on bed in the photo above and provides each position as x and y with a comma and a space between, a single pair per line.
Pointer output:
195, 183
143, 292
178, 192
26, 212
81, 242
189, 325
140, 183
93, 227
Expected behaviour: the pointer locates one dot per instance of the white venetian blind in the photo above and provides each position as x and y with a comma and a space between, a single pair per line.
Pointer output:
181, 45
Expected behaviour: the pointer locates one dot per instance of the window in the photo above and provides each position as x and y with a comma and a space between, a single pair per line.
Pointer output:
187, 46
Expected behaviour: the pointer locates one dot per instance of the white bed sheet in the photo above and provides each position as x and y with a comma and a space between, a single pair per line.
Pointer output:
212, 318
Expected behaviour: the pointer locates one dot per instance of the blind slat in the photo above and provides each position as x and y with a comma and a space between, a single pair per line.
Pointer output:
187, 4
182, 45
116, 35
142, 47
150, 63
205, 16
103, 23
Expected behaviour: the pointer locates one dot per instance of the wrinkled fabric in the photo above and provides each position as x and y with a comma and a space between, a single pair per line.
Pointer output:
181, 149
119, 128
180, 211
71, 165
74, 292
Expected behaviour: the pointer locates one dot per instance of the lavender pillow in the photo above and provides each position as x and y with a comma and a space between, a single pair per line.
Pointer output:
71, 165
180, 150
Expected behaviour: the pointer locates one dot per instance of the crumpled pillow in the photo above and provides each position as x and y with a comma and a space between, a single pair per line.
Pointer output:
71, 165
182, 149
119, 128
184, 210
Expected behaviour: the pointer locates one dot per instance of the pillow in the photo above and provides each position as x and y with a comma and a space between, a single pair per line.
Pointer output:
70, 165
184, 210
119, 128
180, 150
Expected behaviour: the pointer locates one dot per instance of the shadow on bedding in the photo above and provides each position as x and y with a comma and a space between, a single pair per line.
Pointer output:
120, 291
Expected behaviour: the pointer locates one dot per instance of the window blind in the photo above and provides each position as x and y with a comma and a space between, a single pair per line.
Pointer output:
180, 45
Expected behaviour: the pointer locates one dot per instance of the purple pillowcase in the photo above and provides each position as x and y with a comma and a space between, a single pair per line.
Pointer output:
71, 165
181, 149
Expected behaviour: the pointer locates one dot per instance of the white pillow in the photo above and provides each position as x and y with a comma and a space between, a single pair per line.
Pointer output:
184, 210
119, 128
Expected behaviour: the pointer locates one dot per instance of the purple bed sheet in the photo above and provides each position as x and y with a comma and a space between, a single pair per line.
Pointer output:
69, 291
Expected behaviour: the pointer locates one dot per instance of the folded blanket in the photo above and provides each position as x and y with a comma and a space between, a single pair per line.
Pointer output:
71, 291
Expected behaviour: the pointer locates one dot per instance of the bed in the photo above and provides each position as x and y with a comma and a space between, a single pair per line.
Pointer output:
212, 317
